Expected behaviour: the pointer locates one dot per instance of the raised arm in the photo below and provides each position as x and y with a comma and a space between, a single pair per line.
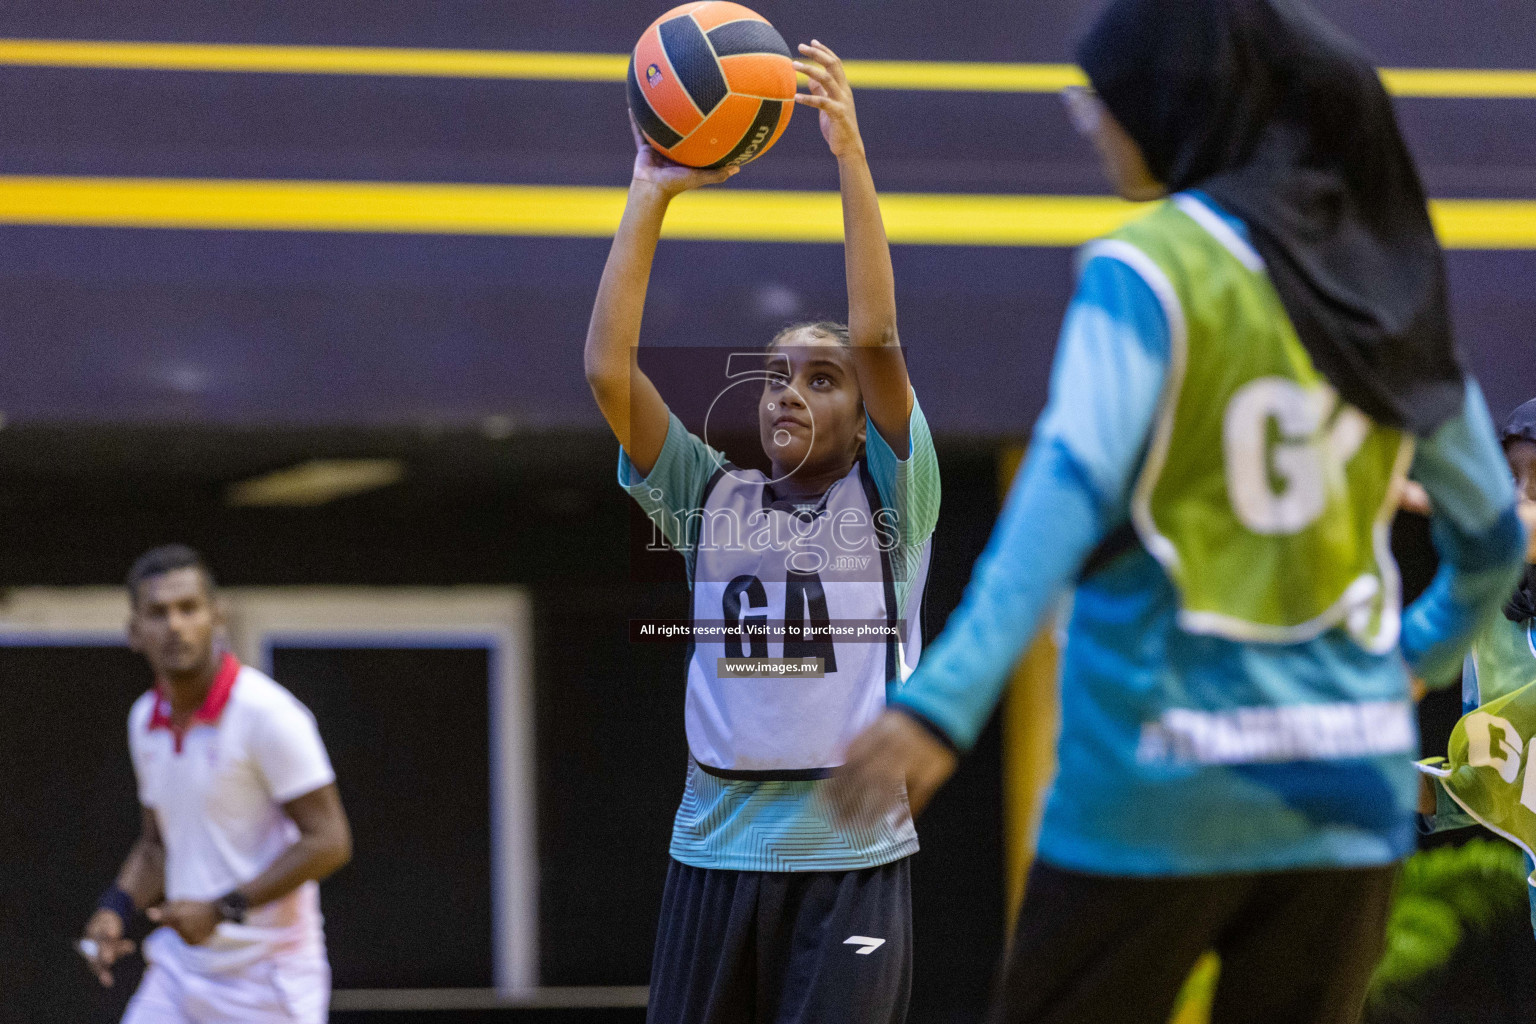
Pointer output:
324, 846
1477, 534
140, 883
877, 353
629, 401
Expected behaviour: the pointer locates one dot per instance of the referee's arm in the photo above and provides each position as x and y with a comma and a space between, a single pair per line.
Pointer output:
143, 874
140, 883
324, 846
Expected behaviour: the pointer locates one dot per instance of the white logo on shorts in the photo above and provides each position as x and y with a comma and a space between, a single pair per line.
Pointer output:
869, 944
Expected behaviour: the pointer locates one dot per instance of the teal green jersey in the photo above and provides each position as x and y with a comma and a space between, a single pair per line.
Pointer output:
1485, 777
786, 825
1502, 660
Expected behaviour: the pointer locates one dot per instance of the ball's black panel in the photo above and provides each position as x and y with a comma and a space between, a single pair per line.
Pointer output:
650, 122
747, 36
694, 62
756, 136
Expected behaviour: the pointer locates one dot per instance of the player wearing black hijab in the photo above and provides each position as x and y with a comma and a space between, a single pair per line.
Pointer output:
1284, 122
1246, 378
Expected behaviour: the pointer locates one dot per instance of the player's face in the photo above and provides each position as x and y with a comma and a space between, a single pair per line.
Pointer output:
1522, 461
173, 623
1122, 159
815, 420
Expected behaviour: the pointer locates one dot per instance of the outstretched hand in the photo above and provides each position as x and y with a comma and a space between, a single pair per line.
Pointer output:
103, 944
668, 176
831, 95
1414, 498
893, 754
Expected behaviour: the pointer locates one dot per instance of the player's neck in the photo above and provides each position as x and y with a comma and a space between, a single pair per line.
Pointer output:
188, 690
806, 484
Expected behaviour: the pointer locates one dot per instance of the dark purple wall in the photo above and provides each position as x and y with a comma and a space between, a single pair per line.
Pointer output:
113, 325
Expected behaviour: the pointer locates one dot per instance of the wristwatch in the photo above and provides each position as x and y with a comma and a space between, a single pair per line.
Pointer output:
232, 906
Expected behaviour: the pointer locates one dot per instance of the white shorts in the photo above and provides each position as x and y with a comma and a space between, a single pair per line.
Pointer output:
285, 990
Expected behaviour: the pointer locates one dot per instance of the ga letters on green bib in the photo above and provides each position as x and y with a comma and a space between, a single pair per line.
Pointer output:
1487, 770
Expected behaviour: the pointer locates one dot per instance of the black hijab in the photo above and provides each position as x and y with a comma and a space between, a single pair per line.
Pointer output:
1521, 426
1284, 123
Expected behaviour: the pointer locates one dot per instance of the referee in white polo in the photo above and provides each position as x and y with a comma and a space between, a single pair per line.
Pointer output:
241, 820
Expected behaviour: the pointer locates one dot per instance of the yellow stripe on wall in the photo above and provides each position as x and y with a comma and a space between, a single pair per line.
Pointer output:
1453, 83
962, 76
606, 67
556, 210
723, 214
1484, 223
314, 60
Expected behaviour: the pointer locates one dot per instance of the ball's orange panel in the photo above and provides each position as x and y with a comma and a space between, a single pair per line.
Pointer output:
760, 74
718, 12
659, 85
771, 117
719, 133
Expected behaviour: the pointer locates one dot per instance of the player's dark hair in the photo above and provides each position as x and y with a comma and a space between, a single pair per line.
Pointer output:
822, 328
1521, 425
161, 560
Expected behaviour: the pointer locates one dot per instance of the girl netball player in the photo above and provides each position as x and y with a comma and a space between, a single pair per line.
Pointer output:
773, 913
1503, 656
1245, 378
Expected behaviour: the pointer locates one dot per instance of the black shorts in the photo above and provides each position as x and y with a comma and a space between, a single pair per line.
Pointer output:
783, 947
1296, 947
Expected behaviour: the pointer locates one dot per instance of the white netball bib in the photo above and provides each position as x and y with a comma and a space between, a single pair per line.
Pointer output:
775, 581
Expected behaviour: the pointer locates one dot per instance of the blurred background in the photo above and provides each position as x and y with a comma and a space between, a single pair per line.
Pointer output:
305, 286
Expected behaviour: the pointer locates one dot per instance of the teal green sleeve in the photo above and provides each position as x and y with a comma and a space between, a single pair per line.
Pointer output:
1070, 493
1476, 533
909, 485
1448, 814
671, 494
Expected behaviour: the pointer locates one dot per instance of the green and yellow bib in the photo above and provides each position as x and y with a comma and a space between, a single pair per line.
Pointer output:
1266, 499
1486, 769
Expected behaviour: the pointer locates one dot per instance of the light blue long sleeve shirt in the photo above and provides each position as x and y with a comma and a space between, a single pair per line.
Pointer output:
1126, 661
